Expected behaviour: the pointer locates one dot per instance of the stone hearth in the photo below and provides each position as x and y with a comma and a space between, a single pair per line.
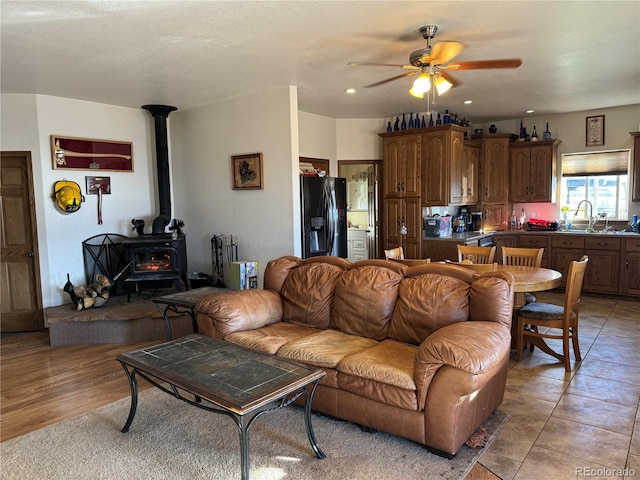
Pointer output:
118, 322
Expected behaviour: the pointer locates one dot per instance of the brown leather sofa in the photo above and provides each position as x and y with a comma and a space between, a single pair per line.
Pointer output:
420, 352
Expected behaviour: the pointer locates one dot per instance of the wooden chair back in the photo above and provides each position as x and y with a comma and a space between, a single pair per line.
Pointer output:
411, 262
524, 257
476, 267
394, 253
476, 254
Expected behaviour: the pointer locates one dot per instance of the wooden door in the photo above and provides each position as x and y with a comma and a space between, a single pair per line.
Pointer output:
411, 158
391, 167
391, 218
495, 170
435, 168
541, 173
412, 218
520, 174
21, 296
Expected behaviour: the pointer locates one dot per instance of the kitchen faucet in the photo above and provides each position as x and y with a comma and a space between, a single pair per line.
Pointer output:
591, 218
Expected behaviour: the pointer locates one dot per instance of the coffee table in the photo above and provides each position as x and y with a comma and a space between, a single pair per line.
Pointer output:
223, 378
182, 302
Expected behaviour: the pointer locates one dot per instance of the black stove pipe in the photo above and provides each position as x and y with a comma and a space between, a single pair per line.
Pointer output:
160, 114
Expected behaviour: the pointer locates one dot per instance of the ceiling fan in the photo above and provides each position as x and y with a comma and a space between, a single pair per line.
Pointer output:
430, 64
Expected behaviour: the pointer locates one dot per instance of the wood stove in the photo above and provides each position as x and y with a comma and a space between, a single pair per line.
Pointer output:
157, 257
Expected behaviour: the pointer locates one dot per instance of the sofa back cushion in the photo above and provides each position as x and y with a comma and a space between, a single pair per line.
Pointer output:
426, 303
365, 296
307, 294
278, 270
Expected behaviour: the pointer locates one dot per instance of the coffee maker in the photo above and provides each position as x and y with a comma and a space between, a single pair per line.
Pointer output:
472, 220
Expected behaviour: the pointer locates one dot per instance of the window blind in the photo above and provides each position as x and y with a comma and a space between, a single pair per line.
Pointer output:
615, 162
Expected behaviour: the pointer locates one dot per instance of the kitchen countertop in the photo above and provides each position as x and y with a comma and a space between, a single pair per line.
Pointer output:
470, 236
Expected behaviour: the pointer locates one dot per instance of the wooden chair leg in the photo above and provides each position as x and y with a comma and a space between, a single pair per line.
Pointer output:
565, 351
519, 337
576, 345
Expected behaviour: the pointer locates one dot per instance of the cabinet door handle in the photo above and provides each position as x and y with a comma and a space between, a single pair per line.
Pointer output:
398, 187
403, 186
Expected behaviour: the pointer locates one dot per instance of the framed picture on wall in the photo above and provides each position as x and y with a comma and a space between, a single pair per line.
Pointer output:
87, 154
246, 171
595, 131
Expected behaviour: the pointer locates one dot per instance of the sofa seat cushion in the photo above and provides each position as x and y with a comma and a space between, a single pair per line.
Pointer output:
324, 349
269, 339
383, 373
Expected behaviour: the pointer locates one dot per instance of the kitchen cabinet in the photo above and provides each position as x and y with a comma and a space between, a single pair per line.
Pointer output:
603, 270
441, 147
533, 171
401, 165
493, 179
537, 241
464, 175
635, 191
631, 266
399, 212
565, 249
504, 241
357, 245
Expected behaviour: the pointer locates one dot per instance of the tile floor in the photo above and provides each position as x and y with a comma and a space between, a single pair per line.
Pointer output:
580, 424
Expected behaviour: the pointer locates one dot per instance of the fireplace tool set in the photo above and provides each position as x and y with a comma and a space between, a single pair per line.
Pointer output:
221, 246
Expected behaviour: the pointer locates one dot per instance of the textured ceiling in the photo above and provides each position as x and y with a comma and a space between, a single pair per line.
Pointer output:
575, 55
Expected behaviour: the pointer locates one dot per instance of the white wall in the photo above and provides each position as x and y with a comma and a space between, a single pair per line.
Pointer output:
27, 123
317, 137
358, 138
203, 140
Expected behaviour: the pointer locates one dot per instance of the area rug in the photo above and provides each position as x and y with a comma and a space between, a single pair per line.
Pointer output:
172, 440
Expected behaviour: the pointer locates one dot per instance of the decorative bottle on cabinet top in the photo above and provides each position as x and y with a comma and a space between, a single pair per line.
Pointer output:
403, 125
546, 135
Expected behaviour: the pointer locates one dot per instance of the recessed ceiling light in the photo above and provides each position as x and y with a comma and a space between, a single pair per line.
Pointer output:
530, 111
350, 91
467, 102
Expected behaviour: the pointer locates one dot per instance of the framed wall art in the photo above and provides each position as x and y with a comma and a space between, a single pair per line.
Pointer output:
246, 171
595, 131
88, 154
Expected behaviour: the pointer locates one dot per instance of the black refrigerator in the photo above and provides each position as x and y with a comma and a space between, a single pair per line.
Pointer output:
323, 206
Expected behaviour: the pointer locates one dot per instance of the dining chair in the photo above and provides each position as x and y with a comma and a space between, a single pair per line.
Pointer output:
476, 254
394, 253
525, 257
411, 262
565, 318
476, 267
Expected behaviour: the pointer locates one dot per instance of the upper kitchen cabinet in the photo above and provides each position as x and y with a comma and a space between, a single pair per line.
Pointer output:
441, 147
494, 167
401, 164
533, 170
464, 175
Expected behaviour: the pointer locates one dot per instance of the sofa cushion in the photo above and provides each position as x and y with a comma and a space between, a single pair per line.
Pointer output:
307, 294
269, 339
324, 349
364, 300
278, 270
427, 303
388, 362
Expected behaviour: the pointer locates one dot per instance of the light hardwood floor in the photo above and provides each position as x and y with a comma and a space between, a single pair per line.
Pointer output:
41, 385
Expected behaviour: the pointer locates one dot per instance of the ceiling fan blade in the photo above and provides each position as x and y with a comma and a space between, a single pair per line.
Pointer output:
366, 64
442, 52
449, 78
480, 64
391, 79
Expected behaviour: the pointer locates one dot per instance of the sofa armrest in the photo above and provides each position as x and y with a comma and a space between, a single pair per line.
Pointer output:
238, 310
474, 347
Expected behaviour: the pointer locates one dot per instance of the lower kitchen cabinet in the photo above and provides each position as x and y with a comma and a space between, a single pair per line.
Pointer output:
537, 241
399, 213
631, 267
603, 270
504, 241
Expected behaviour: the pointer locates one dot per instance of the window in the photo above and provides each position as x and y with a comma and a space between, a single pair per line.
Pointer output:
600, 177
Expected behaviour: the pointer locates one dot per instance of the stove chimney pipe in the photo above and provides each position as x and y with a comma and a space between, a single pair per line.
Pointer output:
160, 114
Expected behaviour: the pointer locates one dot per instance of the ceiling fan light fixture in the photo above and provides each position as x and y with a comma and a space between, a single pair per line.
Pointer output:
442, 84
421, 85
415, 93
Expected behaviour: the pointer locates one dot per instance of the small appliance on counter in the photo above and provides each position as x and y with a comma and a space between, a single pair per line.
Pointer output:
437, 226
